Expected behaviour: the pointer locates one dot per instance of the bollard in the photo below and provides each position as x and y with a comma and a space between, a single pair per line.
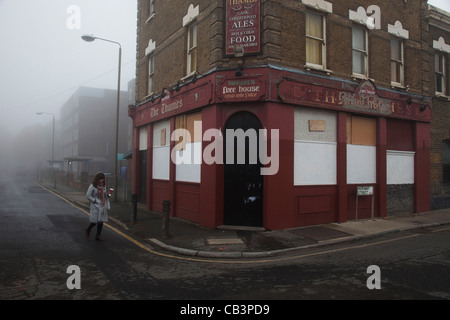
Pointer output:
165, 218
134, 212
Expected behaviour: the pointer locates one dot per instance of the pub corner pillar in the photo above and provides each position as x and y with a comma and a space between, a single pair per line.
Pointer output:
422, 167
341, 160
211, 187
381, 166
278, 188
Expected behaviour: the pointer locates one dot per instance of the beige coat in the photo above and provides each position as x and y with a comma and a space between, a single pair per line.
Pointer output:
98, 212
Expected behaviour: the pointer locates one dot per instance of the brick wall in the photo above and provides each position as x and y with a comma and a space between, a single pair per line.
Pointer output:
165, 28
440, 126
283, 40
283, 44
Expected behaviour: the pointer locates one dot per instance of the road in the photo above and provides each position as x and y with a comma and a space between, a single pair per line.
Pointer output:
41, 235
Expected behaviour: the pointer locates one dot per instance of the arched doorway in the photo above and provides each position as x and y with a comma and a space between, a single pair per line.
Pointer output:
243, 183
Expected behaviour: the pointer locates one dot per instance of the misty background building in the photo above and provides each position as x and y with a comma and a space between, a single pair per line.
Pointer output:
85, 134
87, 128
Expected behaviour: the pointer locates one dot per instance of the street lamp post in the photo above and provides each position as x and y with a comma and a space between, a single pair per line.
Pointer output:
53, 146
90, 38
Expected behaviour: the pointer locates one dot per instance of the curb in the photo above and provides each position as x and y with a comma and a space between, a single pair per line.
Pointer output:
272, 253
253, 254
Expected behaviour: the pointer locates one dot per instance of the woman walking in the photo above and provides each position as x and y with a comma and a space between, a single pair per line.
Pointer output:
99, 203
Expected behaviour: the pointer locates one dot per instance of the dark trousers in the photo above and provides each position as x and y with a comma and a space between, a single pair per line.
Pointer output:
99, 227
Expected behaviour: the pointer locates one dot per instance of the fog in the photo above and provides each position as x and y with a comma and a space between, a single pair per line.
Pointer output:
43, 61
442, 4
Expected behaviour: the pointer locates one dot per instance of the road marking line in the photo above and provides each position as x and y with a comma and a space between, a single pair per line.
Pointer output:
269, 260
439, 230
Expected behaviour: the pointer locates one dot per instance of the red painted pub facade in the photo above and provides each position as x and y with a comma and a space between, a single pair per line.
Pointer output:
333, 137
327, 103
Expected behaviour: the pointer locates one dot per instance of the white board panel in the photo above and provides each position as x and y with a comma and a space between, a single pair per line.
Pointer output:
161, 163
399, 167
143, 138
361, 164
314, 163
188, 163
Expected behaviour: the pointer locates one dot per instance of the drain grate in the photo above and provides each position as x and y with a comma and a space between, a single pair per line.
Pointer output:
319, 233
223, 241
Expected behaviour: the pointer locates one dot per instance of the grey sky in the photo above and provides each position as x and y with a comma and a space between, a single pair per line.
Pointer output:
443, 4
43, 61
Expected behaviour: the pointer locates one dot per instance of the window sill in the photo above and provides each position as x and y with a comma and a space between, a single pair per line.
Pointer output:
150, 18
396, 85
357, 76
439, 95
149, 96
318, 67
190, 75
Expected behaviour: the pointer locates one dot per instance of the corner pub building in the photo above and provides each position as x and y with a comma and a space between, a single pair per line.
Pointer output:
332, 93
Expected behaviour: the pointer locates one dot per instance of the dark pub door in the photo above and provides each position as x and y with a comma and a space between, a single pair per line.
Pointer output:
243, 183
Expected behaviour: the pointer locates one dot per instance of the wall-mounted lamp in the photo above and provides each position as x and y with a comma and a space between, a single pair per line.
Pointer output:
239, 53
409, 100
178, 87
423, 108
239, 71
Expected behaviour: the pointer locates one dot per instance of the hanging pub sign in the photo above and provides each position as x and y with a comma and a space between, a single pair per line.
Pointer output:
243, 26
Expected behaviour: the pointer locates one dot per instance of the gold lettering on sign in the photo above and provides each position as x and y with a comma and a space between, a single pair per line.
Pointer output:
235, 2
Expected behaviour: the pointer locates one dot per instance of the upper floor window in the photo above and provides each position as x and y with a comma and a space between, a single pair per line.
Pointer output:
151, 8
192, 49
151, 71
315, 40
397, 62
439, 69
360, 52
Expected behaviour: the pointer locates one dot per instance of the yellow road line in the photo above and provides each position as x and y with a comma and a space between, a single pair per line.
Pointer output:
269, 260
439, 230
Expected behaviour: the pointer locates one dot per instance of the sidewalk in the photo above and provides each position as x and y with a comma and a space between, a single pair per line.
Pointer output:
190, 239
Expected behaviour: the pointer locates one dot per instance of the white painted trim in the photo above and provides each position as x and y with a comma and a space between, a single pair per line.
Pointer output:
321, 5
361, 16
150, 48
397, 30
191, 15
441, 45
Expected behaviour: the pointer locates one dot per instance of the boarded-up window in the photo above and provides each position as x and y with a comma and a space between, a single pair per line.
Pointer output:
361, 150
187, 122
188, 147
363, 131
